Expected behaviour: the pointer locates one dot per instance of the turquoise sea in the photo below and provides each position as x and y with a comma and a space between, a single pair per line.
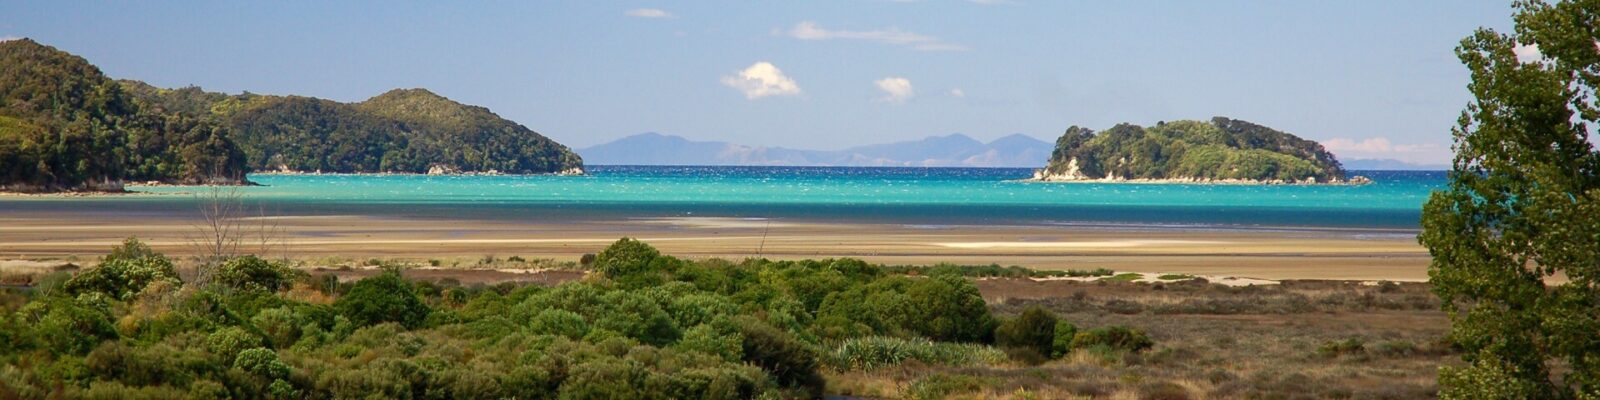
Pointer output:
896, 195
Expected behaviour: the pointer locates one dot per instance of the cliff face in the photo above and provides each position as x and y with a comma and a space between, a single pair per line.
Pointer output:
1220, 151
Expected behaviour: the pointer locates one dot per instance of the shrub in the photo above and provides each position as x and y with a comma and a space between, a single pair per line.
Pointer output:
940, 386
625, 257
869, 353
261, 362
385, 297
1337, 348
67, 326
1114, 337
949, 308
1034, 330
791, 362
227, 343
1061, 344
254, 273
560, 323
126, 272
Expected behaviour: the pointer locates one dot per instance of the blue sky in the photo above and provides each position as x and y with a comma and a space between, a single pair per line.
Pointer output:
1372, 79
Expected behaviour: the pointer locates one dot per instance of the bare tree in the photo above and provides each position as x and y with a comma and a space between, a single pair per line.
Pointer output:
218, 233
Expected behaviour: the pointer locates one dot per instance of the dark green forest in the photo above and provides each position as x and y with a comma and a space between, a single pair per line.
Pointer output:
1222, 149
65, 126
641, 325
403, 130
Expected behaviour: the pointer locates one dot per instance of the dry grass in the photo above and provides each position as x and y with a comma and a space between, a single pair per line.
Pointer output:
1213, 342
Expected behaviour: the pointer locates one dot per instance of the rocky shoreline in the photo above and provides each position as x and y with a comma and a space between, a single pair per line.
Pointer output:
1042, 175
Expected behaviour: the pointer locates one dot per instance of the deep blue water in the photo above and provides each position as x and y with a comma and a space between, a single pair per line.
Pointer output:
898, 195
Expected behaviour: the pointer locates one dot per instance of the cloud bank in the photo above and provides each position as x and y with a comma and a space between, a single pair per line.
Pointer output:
649, 13
895, 89
807, 30
762, 79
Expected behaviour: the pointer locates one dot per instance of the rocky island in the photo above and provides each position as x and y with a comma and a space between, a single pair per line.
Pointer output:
1220, 151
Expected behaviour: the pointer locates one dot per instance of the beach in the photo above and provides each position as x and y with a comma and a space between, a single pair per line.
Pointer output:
1252, 252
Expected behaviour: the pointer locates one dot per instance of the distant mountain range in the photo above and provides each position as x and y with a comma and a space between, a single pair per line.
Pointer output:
1384, 164
955, 150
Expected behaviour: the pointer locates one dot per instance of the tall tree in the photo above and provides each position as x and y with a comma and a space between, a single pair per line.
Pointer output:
1515, 237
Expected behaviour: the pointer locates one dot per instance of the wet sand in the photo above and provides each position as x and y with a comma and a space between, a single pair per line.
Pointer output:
1265, 253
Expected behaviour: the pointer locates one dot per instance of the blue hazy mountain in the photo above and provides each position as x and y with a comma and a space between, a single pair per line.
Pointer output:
954, 150
1384, 164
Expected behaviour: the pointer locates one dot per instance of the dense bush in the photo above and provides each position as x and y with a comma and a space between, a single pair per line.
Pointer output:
702, 329
1114, 337
254, 273
126, 272
385, 297
1033, 331
869, 353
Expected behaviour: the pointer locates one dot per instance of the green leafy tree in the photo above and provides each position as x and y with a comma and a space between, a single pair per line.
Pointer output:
1521, 213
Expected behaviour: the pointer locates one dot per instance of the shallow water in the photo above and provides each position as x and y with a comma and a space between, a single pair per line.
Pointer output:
926, 196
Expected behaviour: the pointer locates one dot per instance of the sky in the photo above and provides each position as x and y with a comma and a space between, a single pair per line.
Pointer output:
1369, 79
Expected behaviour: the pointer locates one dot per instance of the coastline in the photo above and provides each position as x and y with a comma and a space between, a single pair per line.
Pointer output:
1040, 176
1269, 254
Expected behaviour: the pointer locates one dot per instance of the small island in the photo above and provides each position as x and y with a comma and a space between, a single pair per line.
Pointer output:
1224, 151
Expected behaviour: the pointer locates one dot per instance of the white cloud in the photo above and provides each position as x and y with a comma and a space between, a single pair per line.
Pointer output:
1527, 53
957, 92
8, 38
762, 79
649, 13
807, 30
895, 89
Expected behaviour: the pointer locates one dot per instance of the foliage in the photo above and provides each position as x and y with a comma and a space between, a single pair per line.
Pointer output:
65, 126
1034, 330
1522, 208
1222, 149
386, 297
253, 273
125, 273
873, 352
1115, 337
704, 329
403, 130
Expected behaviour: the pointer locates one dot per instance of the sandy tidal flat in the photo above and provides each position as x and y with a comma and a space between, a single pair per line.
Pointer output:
1255, 253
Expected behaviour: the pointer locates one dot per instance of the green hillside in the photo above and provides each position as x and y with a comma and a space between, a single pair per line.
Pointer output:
403, 130
1220, 150
65, 126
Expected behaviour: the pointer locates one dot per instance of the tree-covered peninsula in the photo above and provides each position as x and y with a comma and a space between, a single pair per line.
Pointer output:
65, 126
401, 131
1220, 151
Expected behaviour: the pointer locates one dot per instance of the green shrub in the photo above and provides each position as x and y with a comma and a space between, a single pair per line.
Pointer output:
790, 361
67, 326
253, 273
949, 308
625, 257
1114, 337
261, 362
385, 297
560, 323
1337, 348
125, 273
1061, 344
227, 343
1034, 330
870, 353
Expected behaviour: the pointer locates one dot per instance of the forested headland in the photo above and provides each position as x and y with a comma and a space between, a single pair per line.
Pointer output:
65, 126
